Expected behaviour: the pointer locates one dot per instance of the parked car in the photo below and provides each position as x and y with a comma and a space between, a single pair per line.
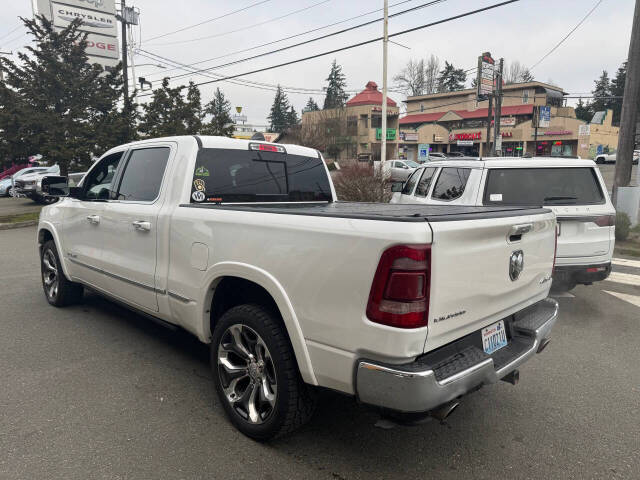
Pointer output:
21, 173
573, 189
611, 158
29, 185
455, 154
243, 244
437, 156
5, 187
400, 170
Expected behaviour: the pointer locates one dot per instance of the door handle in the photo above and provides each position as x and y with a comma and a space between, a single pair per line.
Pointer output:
517, 231
141, 225
93, 219
521, 229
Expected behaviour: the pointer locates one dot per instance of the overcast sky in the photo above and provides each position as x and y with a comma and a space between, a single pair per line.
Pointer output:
523, 31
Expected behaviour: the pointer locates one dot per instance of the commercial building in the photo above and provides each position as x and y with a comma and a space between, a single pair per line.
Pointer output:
353, 132
457, 122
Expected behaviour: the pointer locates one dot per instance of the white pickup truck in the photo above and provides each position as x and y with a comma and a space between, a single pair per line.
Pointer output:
244, 244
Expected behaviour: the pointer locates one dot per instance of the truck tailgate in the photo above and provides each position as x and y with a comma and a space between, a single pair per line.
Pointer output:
471, 285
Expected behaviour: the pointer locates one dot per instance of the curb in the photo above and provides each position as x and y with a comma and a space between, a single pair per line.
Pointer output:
10, 226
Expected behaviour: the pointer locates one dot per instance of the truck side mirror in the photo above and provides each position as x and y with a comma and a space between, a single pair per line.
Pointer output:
55, 186
397, 186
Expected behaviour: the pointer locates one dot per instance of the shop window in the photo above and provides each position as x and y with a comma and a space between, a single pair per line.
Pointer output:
352, 125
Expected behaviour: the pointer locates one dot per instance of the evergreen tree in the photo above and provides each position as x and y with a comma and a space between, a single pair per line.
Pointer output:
169, 113
336, 97
617, 90
57, 104
292, 117
601, 92
451, 79
584, 111
279, 116
311, 105
220, 110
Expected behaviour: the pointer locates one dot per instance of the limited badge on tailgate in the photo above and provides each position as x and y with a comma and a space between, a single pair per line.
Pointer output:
494, 337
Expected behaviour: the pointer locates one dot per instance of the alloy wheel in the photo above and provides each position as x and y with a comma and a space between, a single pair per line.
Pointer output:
247, 373
50, 274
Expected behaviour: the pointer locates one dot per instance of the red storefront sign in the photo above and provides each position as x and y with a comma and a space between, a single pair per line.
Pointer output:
465, 136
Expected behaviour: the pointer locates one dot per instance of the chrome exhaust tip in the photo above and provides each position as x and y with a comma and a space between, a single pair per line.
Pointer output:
444, 411
513, 377
543, 344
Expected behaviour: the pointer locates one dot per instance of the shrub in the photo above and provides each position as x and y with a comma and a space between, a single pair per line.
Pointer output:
359, 183
623, 226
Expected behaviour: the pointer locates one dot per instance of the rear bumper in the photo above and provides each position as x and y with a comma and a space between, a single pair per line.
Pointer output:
455, 369
582, 273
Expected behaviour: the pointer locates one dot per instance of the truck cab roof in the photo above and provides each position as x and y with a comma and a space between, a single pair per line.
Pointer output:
212, 141
513, 162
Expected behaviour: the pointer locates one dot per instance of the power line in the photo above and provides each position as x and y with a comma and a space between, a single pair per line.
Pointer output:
207, 21
359, 44
567, 35
289, 37
10, 32
249, 83
322, 37
243, 29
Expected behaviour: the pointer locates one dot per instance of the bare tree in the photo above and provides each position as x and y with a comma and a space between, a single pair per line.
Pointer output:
431, 74
326, 130
410, 80
362, 183
517, 73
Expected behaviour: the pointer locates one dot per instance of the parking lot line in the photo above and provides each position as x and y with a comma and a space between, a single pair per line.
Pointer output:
626, 262
632, 299
625, 278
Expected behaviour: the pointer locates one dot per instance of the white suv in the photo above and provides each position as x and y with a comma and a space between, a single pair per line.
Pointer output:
572, 188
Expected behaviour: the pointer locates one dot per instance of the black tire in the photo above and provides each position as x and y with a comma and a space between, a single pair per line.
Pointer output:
294, 401
58, 290
599, 161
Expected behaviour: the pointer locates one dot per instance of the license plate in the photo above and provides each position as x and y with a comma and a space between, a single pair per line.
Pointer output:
494, 337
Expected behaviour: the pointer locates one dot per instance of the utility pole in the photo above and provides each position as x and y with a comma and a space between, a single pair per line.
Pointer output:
488, 142
498, 113
133, 69
125, 54
624, 197
385, 42
536, 121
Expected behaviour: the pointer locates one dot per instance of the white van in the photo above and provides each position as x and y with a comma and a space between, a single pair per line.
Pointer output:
572, 188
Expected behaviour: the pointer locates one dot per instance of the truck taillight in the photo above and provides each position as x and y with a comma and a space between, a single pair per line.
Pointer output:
606, 221
399, 294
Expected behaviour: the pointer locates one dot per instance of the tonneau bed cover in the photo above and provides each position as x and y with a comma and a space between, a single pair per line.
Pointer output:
381, 211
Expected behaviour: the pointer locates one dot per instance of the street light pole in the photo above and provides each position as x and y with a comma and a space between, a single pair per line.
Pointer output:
385, 42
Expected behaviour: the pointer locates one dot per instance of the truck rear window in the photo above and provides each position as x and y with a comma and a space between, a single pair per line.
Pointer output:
233, 175
543, 186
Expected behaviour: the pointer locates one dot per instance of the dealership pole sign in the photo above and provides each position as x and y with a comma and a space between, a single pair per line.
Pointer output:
485, 81
98, 21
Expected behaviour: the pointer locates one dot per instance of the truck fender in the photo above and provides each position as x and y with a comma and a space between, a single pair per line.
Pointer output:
50, 227
277, 292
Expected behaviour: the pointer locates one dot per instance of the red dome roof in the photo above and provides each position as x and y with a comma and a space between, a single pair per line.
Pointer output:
370, 96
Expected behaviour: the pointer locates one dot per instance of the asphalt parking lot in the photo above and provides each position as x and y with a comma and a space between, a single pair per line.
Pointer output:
94, 391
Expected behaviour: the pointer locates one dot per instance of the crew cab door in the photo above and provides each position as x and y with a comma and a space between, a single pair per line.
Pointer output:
83, 231
130, 226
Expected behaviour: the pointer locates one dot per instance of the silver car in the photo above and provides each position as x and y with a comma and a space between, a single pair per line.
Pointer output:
5, 187
401, 169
